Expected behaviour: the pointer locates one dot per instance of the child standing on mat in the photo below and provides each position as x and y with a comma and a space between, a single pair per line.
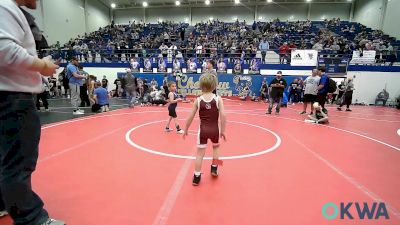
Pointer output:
173, 100
211, 108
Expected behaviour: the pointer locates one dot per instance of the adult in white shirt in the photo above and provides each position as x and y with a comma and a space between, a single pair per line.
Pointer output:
318, 46
310, 90
192, 65
172, 49
134, 64
164, 50
20, 75
176, 65
199, 50
85, 50
335, 47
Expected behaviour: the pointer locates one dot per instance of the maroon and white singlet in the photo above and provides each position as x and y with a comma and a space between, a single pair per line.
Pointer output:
209, 114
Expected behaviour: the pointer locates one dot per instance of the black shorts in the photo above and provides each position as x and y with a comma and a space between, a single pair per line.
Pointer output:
310, 98
172, 112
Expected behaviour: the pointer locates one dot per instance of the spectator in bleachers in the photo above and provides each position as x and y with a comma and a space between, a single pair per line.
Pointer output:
318, 46
217, 37
164, 50
263, 47
283, 53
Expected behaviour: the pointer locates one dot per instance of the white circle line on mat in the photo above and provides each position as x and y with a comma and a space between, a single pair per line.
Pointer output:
152, 151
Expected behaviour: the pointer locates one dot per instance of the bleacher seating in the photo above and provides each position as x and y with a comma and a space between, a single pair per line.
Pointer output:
143, 40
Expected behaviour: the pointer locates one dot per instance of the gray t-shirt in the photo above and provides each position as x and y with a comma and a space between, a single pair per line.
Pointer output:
311, 85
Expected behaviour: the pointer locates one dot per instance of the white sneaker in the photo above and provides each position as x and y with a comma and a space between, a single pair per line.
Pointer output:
168, 129
77, 112
180, 131
80, 110
3, 213
47, 110
53, 222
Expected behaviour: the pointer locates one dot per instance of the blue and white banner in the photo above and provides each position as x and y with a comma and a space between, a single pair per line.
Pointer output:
191, 65
162, 64
222, 65
135, 65
237, 66
147, 65
177, 65
255, 66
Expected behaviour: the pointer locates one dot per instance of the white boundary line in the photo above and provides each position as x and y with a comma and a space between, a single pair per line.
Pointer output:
331, 127
82, 144
132, 143
351, 180
253, 114
170, 199
358, 118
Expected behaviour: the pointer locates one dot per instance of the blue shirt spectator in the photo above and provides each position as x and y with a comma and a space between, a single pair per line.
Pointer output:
101, 96
264, 45
73, 80
324, 81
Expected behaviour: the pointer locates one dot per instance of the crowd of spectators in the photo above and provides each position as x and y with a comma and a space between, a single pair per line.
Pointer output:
214, 39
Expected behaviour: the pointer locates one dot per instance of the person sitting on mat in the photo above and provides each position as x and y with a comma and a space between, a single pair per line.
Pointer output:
173, 100
317, 116
101, 96
383, 96
157, 97
211, 109
254, 98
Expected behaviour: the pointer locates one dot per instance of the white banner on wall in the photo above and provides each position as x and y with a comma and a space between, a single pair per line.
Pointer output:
367, 57
304, 58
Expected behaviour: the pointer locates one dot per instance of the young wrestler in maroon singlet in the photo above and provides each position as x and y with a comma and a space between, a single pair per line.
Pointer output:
211, 108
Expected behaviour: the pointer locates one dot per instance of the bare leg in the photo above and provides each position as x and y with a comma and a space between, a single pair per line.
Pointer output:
216, 152
199, 159
323, 120
169, 121
305, 107
312, 118
176, 122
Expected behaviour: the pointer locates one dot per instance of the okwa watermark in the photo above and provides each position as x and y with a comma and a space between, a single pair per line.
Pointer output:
355, 210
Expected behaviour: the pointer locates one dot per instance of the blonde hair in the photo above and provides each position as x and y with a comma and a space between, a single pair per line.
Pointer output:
170, 83
208, 82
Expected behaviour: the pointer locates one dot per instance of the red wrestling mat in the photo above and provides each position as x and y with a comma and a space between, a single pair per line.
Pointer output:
122, 168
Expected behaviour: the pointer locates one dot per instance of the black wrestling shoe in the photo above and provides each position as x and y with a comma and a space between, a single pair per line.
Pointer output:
196, 180
214, 170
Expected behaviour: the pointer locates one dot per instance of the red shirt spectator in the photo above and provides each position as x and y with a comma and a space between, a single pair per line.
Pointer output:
284, 49
292, 46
